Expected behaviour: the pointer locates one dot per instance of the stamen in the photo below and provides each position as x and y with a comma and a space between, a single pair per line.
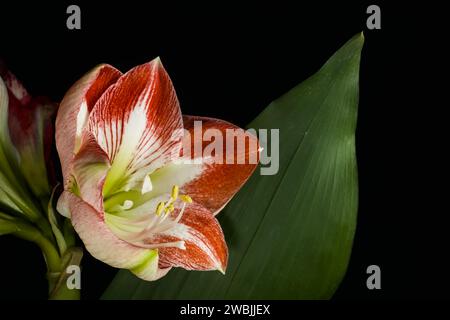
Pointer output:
180, 215
160, 208
169, 208
159, 222
185, 198
175, 190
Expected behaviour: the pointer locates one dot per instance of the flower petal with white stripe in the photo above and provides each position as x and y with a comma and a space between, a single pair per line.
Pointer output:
138, 123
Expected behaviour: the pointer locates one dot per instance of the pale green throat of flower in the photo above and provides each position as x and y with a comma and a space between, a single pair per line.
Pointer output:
137, 223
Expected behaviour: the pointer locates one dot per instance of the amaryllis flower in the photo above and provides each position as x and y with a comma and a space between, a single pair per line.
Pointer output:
134, 204
26, 135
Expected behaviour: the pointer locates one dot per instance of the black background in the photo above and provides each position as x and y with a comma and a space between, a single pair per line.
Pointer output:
229, 63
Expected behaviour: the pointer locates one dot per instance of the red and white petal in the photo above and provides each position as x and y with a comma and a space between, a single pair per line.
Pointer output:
103, 245
207, 181
31, 130
138, 123
74, 111
90, 166
62, 206
14, 85
217, 183
204, 242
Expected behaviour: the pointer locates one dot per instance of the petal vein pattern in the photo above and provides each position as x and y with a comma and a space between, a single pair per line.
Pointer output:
138, 123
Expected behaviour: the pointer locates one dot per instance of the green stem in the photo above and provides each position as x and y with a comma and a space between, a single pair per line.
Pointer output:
57, 263
56, 266
58, 282
64, 293
45, 227
51, 255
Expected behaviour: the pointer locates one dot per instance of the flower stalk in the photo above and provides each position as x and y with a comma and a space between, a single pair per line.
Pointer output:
51, 255
56, 262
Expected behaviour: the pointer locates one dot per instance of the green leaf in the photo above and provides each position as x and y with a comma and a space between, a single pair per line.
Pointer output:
7, 224
290, 235
6, 203
13, 198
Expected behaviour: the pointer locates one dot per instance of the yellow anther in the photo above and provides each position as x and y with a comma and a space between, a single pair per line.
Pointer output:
175, 190
185, 198
160, 208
